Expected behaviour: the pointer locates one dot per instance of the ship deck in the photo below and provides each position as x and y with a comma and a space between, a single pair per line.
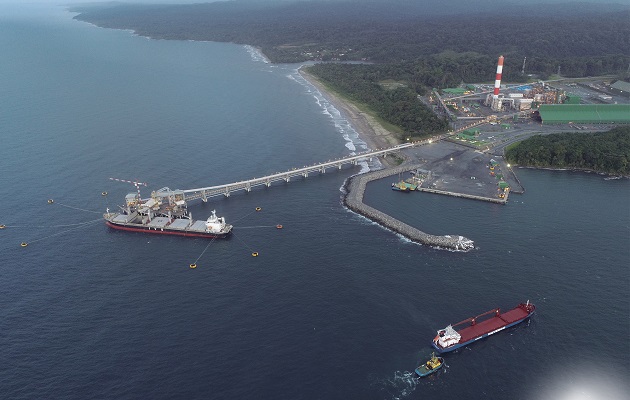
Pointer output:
161, 223
491, 324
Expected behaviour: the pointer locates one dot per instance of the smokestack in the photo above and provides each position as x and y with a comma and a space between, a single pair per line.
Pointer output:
497, 82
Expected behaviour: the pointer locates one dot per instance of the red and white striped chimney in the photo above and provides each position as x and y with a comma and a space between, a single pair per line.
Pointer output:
497, 82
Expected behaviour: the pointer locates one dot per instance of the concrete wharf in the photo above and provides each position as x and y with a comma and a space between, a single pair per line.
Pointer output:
466, 196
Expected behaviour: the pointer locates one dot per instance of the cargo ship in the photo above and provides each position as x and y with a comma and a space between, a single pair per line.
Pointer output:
164, 213
479, 327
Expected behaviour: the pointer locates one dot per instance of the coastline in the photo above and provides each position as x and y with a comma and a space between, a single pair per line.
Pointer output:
368, 129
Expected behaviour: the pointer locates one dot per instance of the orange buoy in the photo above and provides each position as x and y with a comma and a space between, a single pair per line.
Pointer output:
193, 266
278, 226
255, 254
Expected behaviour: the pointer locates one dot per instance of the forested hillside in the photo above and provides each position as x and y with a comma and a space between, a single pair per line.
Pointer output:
419, 45
584, 41
606, 152
398, 106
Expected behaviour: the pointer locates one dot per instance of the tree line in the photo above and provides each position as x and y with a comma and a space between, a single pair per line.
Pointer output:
398, 106
607, 152
584, 41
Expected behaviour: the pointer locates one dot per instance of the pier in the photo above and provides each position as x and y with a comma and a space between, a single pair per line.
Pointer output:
304, 172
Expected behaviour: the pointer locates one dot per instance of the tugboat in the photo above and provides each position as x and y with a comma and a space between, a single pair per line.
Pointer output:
430, 366
401, 187
449, 339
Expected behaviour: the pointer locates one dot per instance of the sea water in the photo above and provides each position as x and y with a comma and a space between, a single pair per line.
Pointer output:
334, 306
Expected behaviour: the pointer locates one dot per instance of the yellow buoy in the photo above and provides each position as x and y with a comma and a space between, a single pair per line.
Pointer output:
258, 208
104, 193
23, 244
255, 254
50, 201
2, 226
279, 226
193, 266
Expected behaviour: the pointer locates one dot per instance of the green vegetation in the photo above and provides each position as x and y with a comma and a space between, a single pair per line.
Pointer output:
398, 106
607, 152
584, 41
410, 46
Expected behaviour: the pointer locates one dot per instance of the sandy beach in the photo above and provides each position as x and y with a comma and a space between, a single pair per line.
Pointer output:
370, 131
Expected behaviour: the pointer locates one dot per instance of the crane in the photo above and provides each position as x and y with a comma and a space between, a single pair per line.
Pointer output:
135, 183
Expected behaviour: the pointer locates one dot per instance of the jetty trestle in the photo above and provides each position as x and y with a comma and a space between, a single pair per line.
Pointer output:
320, 168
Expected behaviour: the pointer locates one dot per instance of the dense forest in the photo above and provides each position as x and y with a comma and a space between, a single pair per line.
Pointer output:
606, 152
398, 105
416, 45
584, 41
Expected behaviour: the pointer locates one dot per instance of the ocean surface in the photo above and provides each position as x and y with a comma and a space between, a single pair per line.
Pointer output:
334, 306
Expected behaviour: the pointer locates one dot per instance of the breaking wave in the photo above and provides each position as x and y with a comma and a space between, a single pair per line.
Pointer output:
354, 143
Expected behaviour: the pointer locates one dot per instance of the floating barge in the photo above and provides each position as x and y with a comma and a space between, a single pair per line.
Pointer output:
479, 327
164, 213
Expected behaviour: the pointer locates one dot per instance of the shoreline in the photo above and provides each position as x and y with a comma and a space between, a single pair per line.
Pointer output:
369, 130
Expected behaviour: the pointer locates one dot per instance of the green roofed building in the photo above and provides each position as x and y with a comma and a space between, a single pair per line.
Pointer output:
454, 90
585, 113
573, 99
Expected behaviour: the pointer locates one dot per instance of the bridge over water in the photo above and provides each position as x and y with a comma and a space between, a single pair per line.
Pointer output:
320, 168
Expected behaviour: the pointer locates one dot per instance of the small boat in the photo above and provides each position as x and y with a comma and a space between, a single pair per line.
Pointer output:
401, 187
430, 366
404, 186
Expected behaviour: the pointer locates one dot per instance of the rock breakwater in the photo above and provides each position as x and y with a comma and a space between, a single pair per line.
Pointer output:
353, 199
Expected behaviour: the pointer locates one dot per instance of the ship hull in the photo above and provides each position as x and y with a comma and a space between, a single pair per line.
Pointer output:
488, 327
165, 231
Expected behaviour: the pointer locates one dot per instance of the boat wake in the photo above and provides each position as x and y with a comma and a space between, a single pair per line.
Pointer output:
400, 386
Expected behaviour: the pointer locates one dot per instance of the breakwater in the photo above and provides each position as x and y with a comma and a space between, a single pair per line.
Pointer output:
353, 199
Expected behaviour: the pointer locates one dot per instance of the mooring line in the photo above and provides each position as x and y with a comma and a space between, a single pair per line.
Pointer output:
245, 244
204, 250
261, 226
67, 230
51, 226
80, 209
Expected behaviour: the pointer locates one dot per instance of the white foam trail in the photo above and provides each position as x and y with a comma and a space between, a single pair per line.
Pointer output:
256, 54
341, 123
401, 385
